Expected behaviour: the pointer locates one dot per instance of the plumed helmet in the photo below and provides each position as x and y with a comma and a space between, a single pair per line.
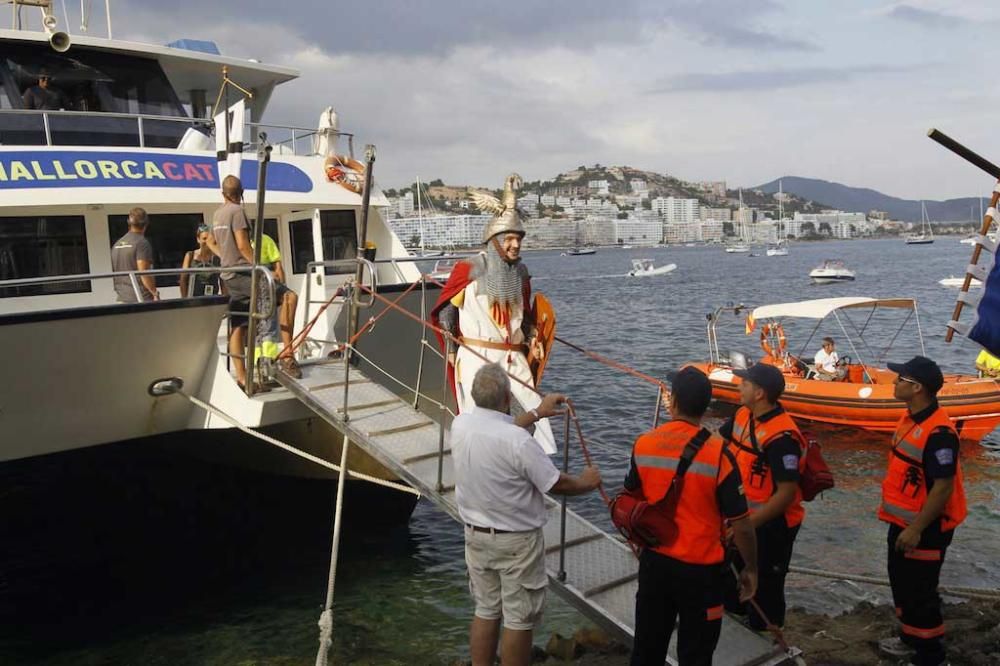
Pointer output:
509, 221
506, 216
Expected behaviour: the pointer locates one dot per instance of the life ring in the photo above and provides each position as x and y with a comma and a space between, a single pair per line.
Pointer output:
773, 329
346, 172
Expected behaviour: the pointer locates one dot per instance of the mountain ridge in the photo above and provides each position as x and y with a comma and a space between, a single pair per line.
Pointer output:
864, 199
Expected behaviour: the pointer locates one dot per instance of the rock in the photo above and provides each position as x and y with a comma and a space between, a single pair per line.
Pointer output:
562, 648
593, 639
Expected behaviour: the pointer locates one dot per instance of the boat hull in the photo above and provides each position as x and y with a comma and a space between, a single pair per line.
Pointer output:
972, 404
830, 279
82, 374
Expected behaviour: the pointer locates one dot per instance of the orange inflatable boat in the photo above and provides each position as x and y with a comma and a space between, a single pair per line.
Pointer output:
862, 394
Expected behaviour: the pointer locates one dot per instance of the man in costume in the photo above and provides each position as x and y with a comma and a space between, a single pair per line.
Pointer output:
486, 304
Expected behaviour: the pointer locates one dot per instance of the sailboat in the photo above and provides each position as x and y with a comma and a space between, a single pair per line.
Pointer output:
577, 250
420, 220
926, 235
742, 246
779, 249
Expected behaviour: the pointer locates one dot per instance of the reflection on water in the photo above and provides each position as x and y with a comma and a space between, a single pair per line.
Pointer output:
249, 584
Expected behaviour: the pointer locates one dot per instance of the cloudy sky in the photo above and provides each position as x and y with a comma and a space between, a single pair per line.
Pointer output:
741, 90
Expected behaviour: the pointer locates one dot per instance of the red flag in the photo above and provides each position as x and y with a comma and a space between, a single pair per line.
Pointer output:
751, 324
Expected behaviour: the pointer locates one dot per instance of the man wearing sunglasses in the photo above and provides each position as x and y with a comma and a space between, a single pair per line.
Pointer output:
923, 501
43, 97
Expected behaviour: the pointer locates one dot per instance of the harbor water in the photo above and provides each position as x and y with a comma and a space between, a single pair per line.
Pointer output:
248, 588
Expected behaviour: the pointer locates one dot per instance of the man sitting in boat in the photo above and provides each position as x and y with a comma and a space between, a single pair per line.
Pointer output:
486, 304
827, 360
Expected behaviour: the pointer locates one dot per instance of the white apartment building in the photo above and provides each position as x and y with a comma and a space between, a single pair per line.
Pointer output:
840, 223
638, 231
710, 213
598, 187
673, 209
716, 188
682, 232
443, 231
546, 232
633, 200
596, 231
711, 231
564, 202
400, 206
547, 200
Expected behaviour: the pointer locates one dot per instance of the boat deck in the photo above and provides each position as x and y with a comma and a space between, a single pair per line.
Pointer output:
600, 571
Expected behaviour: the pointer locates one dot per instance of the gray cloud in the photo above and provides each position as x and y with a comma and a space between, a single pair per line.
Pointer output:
771, 79
439, 26
925, 17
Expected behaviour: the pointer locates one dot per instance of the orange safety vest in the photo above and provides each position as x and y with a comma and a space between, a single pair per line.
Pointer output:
698, 517
904, 489
756, 473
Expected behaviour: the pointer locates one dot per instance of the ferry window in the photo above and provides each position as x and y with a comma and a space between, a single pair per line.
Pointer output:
301, 234
171, 235
340, 236
42, 246
82, 80
270, 228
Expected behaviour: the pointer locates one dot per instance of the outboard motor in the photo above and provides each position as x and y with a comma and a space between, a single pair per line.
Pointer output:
739, 360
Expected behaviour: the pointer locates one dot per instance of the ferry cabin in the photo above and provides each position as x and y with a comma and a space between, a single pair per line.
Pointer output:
136, 132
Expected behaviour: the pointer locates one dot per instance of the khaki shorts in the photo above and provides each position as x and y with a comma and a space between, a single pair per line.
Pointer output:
507, 576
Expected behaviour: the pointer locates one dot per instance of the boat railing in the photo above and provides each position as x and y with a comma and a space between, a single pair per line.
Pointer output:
142, 130
255, 313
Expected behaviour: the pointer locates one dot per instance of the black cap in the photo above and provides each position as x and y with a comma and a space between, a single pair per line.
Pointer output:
768, 377
690, 379
692, 390
922, 369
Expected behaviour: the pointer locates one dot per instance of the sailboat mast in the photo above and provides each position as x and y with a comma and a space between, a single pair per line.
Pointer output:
781, 212
420, 218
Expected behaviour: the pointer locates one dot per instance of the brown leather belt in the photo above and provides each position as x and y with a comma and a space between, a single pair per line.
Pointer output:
487, 530
489, 344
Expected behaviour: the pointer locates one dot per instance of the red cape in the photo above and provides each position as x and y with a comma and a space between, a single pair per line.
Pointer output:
458, 280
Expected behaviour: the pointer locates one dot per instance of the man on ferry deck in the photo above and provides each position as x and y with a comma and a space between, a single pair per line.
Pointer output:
230, 240
486, 303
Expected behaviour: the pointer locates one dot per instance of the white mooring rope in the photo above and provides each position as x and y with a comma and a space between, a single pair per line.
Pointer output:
291, 449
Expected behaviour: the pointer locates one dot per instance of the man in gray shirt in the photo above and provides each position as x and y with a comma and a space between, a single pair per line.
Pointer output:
132, 252
230, 240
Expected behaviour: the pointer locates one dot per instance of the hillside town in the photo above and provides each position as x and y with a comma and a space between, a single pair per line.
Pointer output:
609, 206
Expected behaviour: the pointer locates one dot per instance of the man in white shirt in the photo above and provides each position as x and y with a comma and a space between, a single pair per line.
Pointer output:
826, 362
501, 477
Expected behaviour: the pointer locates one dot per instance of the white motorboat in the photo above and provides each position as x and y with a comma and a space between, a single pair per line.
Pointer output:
738, 248
645, 268
780, 249
580, 251
953, 281
830, 271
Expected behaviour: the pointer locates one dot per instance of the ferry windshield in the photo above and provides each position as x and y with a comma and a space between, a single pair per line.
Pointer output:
34, 77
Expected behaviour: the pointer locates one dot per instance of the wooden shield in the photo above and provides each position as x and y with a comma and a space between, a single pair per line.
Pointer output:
545, 323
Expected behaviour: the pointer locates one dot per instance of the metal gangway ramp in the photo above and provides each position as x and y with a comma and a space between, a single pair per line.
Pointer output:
593, 570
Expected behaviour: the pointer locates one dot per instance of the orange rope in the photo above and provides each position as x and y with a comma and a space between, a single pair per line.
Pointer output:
614, 364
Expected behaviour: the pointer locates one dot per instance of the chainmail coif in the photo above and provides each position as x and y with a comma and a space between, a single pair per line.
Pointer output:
503, 281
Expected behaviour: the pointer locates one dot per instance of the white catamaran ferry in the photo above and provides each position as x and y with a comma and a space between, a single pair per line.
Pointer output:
128, 124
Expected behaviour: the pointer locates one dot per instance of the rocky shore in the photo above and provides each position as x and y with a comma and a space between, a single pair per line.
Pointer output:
849, 639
